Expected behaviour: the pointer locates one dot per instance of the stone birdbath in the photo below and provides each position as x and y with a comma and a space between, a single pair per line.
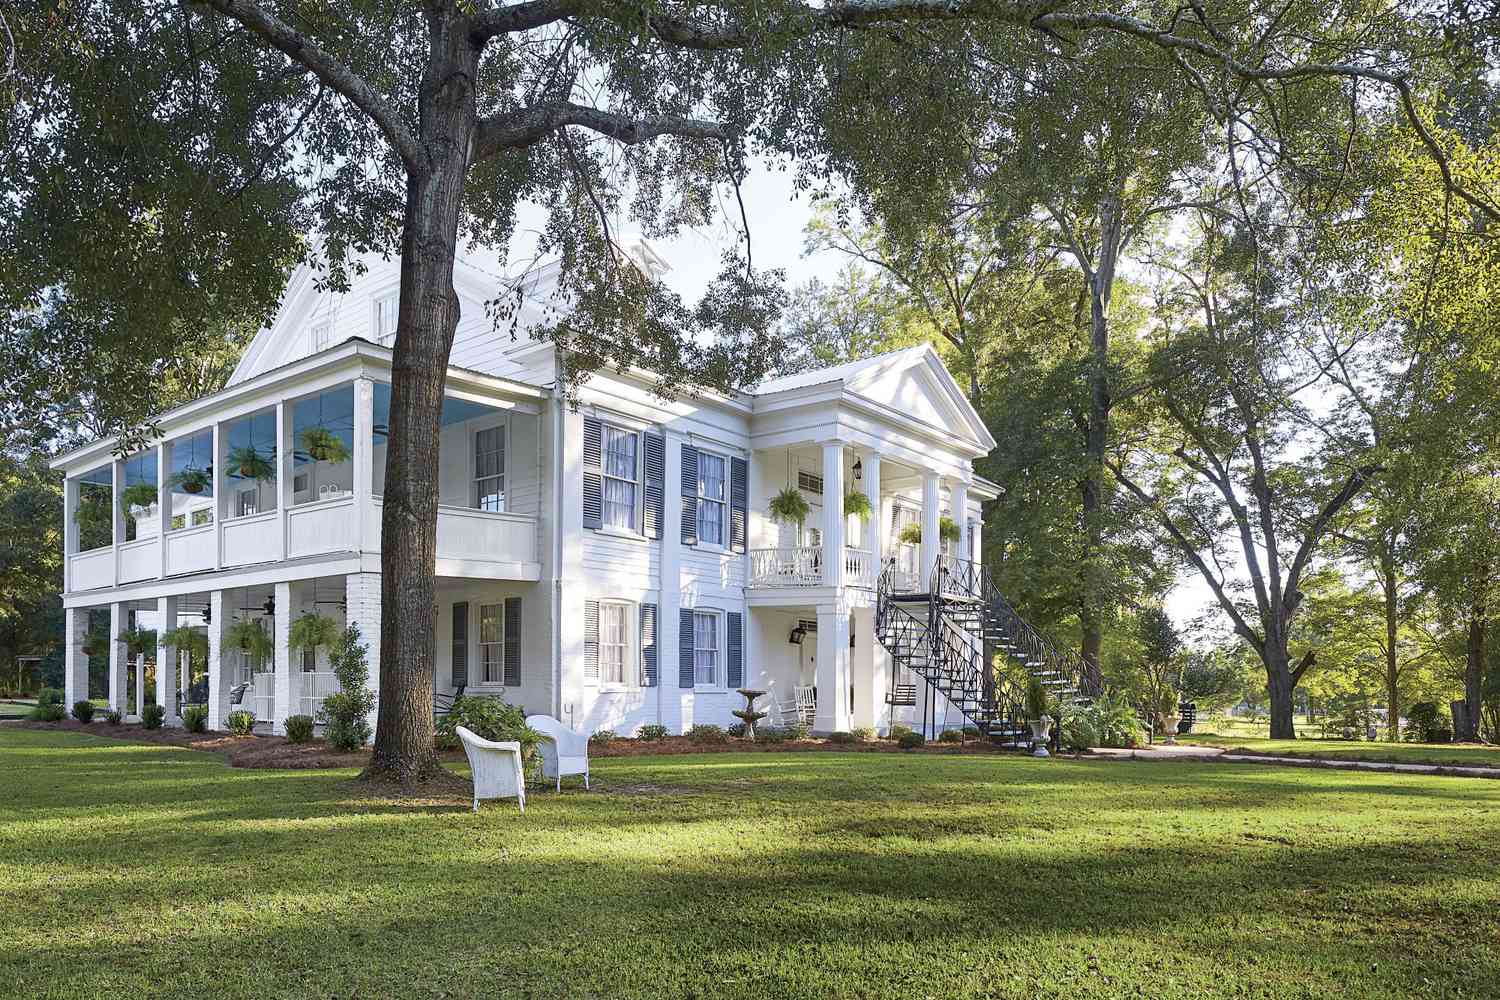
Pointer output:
748, 715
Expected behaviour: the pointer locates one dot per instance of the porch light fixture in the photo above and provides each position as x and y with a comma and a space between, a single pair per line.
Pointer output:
859, 470
798, 634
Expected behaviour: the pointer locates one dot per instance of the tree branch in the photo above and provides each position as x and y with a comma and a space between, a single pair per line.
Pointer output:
526, 126
1350, 490
486, 24
338, 77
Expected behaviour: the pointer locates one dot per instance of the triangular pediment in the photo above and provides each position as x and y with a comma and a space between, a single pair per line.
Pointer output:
916, 384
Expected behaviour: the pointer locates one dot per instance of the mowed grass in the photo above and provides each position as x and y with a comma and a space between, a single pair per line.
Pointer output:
1459, 754
15, 709
139, 871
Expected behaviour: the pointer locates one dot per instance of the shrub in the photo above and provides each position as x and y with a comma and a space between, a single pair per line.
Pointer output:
50, 696
152, 716
195, 718
898, 730
705, 733
736, 729
114, 718
1109, 721
50, 712
603, 736
840, 737
651, 732
346, 712
862, 734
299, 728
1427, 723
491, 719
972, 732
83, 710
770, 734
240, 723
797, 731
950, 736
910, 740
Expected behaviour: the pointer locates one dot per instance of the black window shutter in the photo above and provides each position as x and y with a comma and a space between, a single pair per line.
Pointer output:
655, 447
689, 495
591, 640
739, 495
593, 473
461, 644
512, 642
735, 635
648, 645
685, 649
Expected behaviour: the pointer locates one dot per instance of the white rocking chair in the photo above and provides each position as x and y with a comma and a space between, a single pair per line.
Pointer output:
564, 751
807, 704
496, 767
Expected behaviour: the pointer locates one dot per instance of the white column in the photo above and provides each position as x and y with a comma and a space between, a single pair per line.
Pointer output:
163, 526
931, 514
70, 531
875, 530
362, 594
364, 455
833, 514
870, 683
960, 497
166, 658
216, 483
116, 534
75, 662
675, 701
218, 691
283, 473
282, 654
117, 657
832, 676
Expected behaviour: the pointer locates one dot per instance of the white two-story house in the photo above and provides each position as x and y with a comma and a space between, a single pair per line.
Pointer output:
612, 563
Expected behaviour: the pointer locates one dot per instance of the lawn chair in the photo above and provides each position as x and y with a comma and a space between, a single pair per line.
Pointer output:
496, 767
807, 704
564, 751
442, 704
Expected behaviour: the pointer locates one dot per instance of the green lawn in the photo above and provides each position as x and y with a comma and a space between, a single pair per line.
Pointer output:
132, 870
1400, 753
15, 709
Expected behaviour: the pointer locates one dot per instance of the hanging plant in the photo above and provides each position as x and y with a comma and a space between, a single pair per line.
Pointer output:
185, 637
251, 636
322, 445
948, 529
137, 495
94, 644
248, 463
790, 506
138, 640
910, 535
858, 505
312, 630
193, 480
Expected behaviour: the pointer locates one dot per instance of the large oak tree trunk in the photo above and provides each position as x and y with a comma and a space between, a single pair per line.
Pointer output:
1392, 661
1096, 440
1280, 685
427, 318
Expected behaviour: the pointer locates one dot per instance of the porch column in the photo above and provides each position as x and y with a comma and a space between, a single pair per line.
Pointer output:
870, 683
166, 658
117, 536
364, 463
931, 543
960, 496
282, 651
75, 661
117, 657
218, 691
674, 703
283, 474
70, 535
140, 683
833, 514
163, 528
875, 529
832, 676
362, 593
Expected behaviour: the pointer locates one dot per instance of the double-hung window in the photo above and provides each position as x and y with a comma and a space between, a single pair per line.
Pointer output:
706, 648
492, 643
711, 496
621, 477
614, 643
385, 319
489, 469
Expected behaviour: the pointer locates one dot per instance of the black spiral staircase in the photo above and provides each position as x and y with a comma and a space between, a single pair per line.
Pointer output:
950, 635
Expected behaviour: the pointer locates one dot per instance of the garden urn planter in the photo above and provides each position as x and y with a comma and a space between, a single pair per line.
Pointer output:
1169, 725
1040, 730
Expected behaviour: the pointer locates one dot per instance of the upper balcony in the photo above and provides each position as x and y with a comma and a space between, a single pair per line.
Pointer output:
290, 465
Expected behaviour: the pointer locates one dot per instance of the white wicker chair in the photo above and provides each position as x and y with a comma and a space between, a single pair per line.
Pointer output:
564, 751
496, 767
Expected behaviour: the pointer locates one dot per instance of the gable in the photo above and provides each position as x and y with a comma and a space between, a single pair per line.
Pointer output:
918, 385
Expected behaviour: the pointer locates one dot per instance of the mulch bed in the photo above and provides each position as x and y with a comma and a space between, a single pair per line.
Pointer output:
276, 753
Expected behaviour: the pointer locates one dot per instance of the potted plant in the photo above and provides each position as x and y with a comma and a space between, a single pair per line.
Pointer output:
322, 445
312, 630
142, 495
1040, 707
193, 480
1168, 715
858, 505
186, 638
138, 640
248, 463
250, 636
790, 507
910, 535
948, 529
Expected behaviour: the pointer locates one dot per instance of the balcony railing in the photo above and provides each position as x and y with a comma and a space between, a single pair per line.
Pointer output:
802, 566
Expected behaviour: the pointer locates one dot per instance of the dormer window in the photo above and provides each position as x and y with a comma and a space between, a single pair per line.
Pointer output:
318, 335
385, 319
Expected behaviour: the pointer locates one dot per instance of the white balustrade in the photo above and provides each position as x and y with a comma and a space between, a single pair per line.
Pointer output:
263, 696
315, 686
789, 566
859, 568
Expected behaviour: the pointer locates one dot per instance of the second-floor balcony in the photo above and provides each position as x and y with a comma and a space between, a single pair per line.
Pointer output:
804, 566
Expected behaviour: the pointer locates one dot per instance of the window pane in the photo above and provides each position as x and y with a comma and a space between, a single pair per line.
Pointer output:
706, 648
619, 453
711, 522
491, 643
619, 503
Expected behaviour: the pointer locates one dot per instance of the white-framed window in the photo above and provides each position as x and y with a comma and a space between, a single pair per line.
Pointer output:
202, 516
707, 648
247, 502
712, 494
383, 323
492, 643
622, 475
318, 335
615, 653
489, 469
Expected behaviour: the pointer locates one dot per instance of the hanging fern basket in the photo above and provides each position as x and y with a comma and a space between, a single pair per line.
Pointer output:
322, 445
790, 506
248, 463
311, 631
192, 480
858, 505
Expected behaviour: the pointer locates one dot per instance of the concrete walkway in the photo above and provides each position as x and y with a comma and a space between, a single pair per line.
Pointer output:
1218, 754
